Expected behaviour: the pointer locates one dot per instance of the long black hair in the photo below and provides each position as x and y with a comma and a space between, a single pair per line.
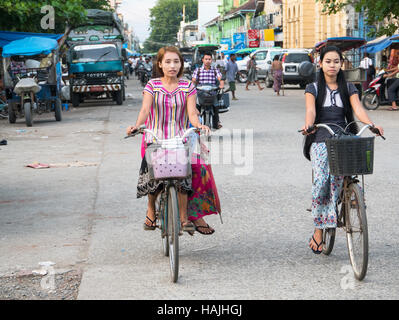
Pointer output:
342, 89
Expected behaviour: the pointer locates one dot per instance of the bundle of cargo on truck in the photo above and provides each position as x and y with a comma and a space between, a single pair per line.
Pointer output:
103, 18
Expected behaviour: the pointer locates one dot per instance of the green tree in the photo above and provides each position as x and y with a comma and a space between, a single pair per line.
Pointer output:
165, 22
384, 14
25, 15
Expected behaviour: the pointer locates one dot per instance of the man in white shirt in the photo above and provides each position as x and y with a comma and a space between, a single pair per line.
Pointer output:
365, 64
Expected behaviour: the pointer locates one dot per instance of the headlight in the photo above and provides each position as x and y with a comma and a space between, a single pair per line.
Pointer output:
79, 82
113, 80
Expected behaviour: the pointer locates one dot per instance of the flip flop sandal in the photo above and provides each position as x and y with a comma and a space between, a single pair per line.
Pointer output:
150, 227
318, 245
204, 227
393, 109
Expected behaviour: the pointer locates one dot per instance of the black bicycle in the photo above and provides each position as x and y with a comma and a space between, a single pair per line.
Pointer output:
168, 161
350, 156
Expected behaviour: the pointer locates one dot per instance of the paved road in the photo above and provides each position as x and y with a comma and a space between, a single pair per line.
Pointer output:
88, 218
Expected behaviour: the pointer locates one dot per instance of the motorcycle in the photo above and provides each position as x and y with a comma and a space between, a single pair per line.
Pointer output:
126, 70
146, 74
377, 92
207, 95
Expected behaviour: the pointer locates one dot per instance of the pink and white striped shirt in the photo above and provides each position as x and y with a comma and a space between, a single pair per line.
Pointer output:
168, 114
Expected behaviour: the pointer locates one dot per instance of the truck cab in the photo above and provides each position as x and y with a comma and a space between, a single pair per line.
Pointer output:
96, 58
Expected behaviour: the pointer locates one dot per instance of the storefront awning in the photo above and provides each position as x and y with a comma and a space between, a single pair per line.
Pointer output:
374, 47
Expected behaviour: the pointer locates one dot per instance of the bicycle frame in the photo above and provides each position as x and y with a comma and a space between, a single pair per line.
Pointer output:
161, 206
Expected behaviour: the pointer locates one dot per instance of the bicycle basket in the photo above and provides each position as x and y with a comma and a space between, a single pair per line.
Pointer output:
168, 161
350, 155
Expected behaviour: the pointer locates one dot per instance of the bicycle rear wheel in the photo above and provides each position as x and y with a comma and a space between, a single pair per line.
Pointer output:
173, 227
328, 240
356, 230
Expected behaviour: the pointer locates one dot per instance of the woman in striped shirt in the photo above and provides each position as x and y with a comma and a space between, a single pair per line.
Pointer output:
169, 105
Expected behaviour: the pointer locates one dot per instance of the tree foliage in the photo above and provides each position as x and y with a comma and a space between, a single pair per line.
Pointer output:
384, 14
165, 22
26, 16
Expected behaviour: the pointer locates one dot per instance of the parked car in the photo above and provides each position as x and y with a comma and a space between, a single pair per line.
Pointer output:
298, 67
264, 58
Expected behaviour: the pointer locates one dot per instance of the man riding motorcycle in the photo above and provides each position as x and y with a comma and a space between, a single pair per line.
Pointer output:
145, 71
209, 75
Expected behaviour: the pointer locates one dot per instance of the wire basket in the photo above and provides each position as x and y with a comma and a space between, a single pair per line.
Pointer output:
350, 155
168, 161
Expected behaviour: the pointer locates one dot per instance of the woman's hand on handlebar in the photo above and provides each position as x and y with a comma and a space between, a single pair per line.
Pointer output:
131, 129
308, 129
378, 130
204, 128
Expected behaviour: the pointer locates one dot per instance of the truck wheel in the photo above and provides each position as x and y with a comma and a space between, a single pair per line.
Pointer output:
75, 100
28, 114
119, 97
12, 117
58, 110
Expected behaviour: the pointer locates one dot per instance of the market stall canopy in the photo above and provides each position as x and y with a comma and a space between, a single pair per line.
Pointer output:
29, 46
8, 36
207, 47
228, 52
343, 43
246, 50
374, 47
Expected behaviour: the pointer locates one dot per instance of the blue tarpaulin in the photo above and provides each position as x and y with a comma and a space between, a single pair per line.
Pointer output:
29, 46
8, 36
381, 45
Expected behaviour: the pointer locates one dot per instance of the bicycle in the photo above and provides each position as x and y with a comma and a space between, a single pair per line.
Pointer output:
351, 206
166, 204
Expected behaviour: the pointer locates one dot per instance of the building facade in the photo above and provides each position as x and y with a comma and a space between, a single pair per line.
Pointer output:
305, 23
232, 24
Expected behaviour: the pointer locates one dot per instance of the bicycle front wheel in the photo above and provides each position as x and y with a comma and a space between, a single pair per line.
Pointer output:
164, 231
173, 227
356, 230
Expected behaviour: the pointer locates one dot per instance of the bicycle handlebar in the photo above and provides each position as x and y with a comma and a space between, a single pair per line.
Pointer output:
143, 129
372, 128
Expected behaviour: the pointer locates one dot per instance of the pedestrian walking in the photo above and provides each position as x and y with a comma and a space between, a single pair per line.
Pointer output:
252, 73
169, 106
329, 100
277, 73
231, 74
367, 64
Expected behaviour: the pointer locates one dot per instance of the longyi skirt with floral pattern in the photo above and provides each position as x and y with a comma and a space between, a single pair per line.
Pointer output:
325, 190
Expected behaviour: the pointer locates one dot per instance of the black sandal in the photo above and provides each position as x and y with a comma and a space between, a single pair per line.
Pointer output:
204, 227
318, 245
150, 227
